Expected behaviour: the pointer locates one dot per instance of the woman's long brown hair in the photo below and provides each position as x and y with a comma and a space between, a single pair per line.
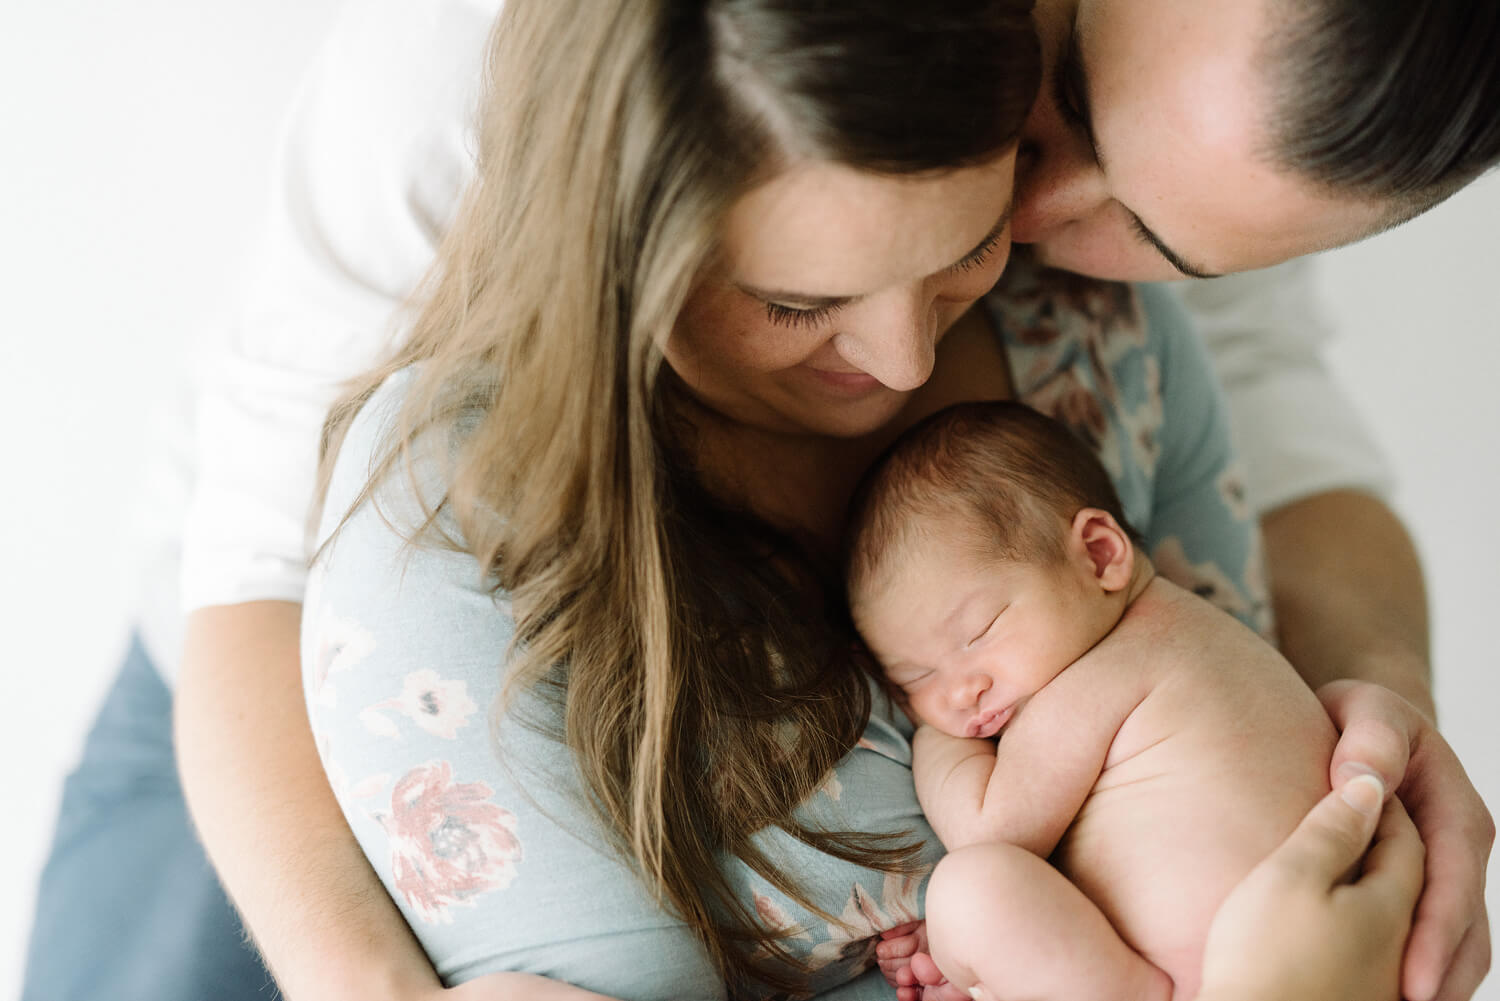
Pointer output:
707, 691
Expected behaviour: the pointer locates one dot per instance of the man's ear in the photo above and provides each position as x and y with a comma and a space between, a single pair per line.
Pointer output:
1108, 549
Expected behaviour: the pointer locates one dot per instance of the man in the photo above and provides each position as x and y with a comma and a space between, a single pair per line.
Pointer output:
1155, 150
1175, 138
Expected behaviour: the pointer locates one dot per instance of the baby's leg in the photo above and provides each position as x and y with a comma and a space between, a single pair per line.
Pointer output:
1007, 922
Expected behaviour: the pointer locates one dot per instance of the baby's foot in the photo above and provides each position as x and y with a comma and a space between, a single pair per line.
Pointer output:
936, 987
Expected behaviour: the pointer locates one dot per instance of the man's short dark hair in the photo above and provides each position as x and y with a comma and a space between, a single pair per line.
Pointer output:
1388, 100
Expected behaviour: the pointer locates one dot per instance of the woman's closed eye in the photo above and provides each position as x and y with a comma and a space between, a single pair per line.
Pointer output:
981, 254
790, 316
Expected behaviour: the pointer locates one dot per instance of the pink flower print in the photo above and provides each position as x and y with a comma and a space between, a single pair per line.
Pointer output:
1067, 399
449, 843
337, 645
852, 939
775, 918
1143, 424
1234, 493
1207, 580
437, 706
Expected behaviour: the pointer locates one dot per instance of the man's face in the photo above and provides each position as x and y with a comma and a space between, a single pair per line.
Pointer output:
1144, 156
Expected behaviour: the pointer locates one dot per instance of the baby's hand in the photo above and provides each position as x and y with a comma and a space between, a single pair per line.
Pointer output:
897, 946
902, 956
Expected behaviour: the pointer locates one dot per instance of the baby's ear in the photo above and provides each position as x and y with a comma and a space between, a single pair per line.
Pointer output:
1096, 534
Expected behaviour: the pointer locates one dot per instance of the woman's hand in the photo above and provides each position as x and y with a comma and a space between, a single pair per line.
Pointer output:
1294, 930
1449, 951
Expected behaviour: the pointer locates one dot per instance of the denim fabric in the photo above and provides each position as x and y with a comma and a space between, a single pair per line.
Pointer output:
128, 907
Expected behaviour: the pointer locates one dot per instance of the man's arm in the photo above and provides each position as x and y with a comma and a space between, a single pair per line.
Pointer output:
270, 823
1348, 592
372, 159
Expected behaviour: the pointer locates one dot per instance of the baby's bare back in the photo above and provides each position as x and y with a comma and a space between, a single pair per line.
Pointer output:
1220, 750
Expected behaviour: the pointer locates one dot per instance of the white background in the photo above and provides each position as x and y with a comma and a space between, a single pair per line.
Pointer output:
134, 143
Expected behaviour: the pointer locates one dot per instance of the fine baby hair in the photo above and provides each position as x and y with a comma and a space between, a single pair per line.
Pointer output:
1000, 467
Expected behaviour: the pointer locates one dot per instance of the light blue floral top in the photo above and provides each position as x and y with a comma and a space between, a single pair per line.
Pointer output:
474, 822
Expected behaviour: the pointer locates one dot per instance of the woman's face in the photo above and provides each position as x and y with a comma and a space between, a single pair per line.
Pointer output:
833, 288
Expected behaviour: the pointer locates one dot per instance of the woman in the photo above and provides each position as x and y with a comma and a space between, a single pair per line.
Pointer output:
689, 783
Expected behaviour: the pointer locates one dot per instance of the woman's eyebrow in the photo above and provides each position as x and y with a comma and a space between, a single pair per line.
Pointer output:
834, 301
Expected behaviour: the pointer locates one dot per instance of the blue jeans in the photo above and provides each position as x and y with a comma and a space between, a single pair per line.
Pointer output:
128, 907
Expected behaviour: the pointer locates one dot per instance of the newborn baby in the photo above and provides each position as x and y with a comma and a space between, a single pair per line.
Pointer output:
1104, 754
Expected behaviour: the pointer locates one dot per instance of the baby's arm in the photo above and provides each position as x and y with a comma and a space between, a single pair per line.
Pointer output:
1024, 789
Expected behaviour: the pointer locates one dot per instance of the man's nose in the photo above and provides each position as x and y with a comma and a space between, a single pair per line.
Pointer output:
1058, 180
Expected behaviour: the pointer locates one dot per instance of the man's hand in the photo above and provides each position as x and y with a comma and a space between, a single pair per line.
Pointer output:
1448, 953
1295, 928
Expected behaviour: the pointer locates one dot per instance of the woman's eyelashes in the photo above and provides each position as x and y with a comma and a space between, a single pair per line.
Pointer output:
790, 316
981, 254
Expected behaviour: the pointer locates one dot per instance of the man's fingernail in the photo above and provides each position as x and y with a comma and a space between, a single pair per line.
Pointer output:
1365, 792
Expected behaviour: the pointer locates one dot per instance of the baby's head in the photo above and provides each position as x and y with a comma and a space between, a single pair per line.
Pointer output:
987, 552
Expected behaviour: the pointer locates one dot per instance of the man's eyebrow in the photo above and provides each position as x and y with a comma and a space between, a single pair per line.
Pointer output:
1072, 91
804, 300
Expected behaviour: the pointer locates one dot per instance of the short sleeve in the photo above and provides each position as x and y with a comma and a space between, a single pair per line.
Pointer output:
475, 818
474, 822
1202, 533
373, 158
1295, 427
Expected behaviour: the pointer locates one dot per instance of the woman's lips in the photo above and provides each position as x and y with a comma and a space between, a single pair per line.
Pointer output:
987, 724
854, 382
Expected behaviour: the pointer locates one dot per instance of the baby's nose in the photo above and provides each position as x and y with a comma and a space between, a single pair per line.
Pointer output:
967, 693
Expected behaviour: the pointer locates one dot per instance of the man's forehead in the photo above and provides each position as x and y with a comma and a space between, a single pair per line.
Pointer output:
1179, 111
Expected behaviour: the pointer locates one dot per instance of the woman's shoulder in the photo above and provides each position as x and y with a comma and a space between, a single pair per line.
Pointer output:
388, 553
367, 466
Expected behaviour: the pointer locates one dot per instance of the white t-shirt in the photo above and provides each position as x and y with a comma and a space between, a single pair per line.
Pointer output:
373, 160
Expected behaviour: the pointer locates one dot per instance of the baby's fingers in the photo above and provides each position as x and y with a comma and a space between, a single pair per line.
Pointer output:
898, 948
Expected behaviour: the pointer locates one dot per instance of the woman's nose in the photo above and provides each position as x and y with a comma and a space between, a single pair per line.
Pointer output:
1058, 180
894, 339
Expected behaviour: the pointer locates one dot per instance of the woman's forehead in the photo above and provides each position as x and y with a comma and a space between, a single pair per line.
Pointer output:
825, 230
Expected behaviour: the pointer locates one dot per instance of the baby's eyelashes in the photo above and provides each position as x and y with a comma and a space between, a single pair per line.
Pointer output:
906, 679
985, 631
